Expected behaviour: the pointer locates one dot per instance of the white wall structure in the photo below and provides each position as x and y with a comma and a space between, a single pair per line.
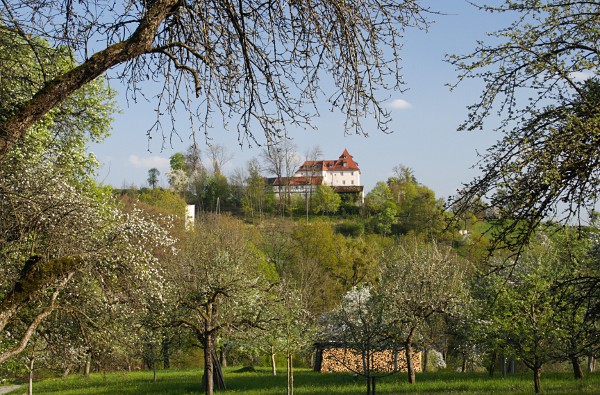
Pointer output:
190, 216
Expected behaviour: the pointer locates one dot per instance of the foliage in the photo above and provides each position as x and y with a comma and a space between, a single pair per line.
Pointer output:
325, 200
419, 282
65, 244
538, 314
153, 175
165, 200
541, 77
220, 285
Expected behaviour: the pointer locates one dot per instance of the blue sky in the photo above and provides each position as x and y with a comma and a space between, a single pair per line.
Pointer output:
424, 125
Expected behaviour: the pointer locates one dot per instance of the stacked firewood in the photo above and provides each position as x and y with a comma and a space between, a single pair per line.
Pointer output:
348, 360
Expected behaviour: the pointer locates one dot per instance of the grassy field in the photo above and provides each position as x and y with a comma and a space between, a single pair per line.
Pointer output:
311, 383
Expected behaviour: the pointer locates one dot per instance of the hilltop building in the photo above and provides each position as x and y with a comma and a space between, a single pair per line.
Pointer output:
342, 174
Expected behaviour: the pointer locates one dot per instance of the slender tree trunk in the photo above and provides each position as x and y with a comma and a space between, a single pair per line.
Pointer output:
409, 362
154, 370
425, 360
373, 385
30, 387
537, 379
273, 362
368, 385
577, 370
504, 369
88, 364
463, 368
591, 363
290, 374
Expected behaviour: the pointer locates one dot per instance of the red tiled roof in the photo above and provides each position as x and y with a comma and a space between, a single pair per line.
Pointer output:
344, 162
296, 181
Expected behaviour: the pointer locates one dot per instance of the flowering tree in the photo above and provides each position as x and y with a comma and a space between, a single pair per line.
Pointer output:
221, 287
58, 230
418, 282
359, 327
51, 235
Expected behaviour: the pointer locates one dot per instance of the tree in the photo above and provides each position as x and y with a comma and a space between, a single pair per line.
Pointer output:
221, 286
52, 235
420, 281
248, 59
544, 312
282, 160
60, 234
418, 209
541, 76
257, 199
359, 326
326, 201
219, 157
153, 175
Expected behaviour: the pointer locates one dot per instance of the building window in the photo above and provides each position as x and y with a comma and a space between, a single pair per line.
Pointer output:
344, 182
352, 182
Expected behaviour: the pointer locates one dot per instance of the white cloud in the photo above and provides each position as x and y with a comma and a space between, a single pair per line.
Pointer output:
400, 104
581, 75
150, 162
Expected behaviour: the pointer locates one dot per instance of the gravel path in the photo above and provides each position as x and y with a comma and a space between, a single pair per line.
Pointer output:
8, 388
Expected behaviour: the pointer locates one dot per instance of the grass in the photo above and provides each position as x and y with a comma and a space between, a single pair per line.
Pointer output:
310, 383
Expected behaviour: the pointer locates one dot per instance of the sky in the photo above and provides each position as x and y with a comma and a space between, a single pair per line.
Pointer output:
424, 122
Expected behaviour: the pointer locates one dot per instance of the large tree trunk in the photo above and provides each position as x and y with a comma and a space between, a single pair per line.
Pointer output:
537, 379
577, 370
208, 380
61, 87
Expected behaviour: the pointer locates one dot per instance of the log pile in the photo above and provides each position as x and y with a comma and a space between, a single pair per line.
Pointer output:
348, 360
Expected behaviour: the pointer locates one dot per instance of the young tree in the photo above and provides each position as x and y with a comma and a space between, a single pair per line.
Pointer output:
539, 313
221, 286
381, 207
541, 76
247, 59
420, 281
360, 328
153, 175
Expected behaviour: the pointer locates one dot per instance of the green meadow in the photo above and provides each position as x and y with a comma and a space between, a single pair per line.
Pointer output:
308, 382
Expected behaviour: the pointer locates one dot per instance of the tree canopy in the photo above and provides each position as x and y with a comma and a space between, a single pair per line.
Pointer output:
262, 62
541, 78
